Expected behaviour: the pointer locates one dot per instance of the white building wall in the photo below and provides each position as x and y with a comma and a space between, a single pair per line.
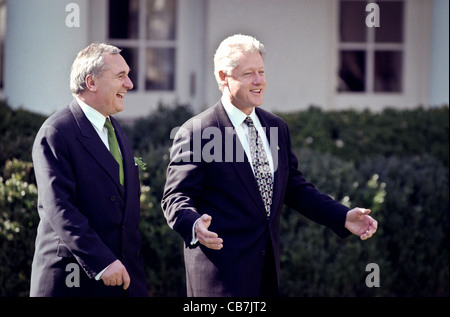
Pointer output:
297, 39
39, 51
302, 50
301, 61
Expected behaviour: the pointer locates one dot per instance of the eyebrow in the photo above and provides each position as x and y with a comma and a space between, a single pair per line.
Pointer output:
124, 72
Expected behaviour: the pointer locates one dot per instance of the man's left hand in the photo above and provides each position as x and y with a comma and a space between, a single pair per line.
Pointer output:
360, 223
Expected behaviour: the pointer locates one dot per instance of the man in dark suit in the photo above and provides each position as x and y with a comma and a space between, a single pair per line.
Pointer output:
226, 204
87, 241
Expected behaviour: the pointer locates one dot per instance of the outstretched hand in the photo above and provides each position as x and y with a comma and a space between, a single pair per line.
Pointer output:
360, 223
207, 238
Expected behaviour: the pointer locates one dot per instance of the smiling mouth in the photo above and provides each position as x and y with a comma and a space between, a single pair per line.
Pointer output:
120, 95
256, 91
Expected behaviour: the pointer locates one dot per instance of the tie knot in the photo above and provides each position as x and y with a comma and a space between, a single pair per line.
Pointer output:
248, 121
108, 125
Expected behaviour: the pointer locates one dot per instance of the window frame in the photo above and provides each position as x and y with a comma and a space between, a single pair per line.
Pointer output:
141, 44
370, 47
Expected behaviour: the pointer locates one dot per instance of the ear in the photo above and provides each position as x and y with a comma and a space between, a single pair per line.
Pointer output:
90, 83
223, 77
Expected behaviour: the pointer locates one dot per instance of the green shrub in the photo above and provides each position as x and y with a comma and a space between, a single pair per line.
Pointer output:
18, 222
408, 197
354, 136
18, 129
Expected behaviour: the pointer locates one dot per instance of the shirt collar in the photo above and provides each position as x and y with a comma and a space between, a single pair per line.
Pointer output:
95, 117
236, 116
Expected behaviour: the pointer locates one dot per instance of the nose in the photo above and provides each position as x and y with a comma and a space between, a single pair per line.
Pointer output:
258, 78
128, 84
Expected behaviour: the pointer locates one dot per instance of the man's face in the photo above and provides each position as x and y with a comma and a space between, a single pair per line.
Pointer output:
112, 85
246, 84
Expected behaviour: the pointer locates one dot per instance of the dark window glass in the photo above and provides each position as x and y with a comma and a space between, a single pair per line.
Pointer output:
388, 71
131, 57
123, 19
160, 20
160, 71
352, 72
391, 23
352, 21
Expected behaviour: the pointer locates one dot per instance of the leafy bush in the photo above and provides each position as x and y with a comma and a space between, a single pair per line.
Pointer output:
18, 222
354, 136
408, 197
17, 131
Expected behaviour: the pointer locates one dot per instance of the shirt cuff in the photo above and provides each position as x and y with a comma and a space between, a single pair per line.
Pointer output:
99, 275
194, 236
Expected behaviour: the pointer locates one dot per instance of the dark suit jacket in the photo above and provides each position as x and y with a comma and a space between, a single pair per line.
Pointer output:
227, 190
86, 216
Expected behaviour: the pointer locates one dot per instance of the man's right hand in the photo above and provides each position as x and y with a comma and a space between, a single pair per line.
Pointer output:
116, 274
208, 238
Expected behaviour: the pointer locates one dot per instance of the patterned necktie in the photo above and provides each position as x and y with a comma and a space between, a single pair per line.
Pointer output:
114, 148
261, 165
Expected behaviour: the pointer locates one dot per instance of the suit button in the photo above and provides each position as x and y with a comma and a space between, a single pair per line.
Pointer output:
112, 198
263, 252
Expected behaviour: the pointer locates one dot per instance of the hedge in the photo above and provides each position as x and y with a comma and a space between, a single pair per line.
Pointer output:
394, 162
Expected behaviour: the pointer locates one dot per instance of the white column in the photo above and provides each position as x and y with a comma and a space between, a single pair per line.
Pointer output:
439, 64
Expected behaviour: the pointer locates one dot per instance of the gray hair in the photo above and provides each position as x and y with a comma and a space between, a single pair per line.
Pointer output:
89, 62
229, 51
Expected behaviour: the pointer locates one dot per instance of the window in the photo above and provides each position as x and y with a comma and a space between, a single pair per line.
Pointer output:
146, 31
370, 58
2, 40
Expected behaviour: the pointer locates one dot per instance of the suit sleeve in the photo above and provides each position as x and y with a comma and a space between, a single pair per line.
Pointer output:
58, 201
184, 183
306, 199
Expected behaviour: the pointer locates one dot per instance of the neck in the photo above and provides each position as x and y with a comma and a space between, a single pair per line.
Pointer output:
91, 103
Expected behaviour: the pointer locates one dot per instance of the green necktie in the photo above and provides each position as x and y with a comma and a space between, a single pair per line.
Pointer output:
114, 148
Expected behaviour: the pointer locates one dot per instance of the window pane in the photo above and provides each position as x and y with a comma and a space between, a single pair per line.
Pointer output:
131, 57
391, 22
388, 71
160, 70
161, 19
123, 19
352, 71
352, 21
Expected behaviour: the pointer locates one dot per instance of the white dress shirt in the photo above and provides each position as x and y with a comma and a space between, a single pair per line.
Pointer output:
97, 120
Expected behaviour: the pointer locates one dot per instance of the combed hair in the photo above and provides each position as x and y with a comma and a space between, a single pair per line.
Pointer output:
229, 51
89, 62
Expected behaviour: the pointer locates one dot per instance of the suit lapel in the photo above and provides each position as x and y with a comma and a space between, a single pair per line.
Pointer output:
94, 145
240, 163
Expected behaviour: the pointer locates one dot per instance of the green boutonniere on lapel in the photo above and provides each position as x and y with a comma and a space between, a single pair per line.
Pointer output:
140, 164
